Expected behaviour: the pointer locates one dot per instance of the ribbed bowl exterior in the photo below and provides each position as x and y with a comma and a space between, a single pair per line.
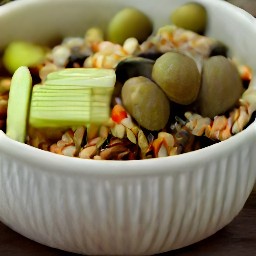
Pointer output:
119, 215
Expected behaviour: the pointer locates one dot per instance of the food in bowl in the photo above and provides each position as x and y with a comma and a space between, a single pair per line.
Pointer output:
168, 92
123, 207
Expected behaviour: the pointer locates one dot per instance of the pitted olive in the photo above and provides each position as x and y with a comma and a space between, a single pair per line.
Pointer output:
146, 103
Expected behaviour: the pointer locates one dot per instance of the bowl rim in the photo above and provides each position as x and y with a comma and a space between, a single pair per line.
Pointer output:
51, 162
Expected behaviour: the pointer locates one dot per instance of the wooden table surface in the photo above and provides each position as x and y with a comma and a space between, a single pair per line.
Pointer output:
236, 239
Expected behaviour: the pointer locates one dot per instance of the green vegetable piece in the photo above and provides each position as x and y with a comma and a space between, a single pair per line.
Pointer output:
80, 77
127, 23
72, 97
221, 87
178, 76
191, 16
20, 53
146, 103
18, 104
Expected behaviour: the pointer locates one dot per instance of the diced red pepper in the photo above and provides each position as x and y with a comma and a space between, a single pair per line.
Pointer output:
118, 113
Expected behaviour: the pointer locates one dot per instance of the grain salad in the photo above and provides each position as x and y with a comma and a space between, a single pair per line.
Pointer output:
138, 94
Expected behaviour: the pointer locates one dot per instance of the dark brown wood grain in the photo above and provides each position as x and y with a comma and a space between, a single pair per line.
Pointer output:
236, 239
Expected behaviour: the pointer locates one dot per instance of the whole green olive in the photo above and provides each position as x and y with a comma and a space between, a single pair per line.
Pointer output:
22, 53
178, 76
146, 103
221, 86
129, 22
191, 16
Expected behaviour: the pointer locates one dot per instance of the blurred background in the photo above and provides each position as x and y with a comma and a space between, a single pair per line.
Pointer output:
5, 1
248, 5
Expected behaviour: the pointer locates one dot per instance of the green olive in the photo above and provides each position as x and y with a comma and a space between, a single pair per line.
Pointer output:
178, 76
191, 16
221, 86
146, 103
129, 22
21, 53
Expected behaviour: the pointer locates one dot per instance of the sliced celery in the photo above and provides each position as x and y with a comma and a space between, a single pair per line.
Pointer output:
18, 104
82, 72
82, 76
70, 97
80, 81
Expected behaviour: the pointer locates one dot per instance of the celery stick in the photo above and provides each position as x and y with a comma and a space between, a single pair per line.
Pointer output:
82, 72
80, 81
72, 97
82, 76
18, 104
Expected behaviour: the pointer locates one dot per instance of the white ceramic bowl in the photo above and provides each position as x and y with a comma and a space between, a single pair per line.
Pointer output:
134, 207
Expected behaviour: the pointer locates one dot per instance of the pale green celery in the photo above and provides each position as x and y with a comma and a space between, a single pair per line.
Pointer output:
38, 98
72, 97
54, 93
91, 77
18, 104
82, 72
80, 81
58, 118
53, 89
75, 108
66, 117
53, 123
60, 89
